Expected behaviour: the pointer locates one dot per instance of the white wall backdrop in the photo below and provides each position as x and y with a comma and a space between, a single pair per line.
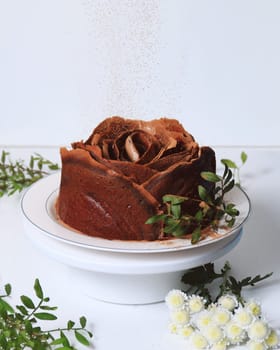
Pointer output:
67, 64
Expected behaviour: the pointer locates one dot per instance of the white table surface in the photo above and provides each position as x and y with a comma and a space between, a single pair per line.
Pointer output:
145, 326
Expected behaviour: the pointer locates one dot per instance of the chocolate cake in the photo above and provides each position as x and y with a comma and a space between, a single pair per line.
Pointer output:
115, 180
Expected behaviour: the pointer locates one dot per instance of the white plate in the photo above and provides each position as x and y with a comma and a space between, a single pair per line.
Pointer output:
38, 208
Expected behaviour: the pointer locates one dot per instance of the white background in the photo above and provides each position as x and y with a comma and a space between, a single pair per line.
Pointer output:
67, 64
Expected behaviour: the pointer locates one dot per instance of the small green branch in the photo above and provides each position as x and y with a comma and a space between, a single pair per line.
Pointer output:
199, 278
211, 204
17, 175
20, 329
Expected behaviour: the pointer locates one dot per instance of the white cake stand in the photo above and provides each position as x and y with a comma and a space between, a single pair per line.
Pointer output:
119, 271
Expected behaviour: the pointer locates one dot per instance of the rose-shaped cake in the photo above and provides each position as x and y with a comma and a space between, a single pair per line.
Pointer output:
112, 183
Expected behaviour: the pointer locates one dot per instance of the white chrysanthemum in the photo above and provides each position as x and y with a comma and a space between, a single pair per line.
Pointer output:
253, 307
221, 345
180, 317
186, 331
175, 299
173, 328
199, 341
243, 317
221, 316
228, 302
212, 307
273, 339
203, 319
255, 345
258, 330
196, 303
234, 332
213, 333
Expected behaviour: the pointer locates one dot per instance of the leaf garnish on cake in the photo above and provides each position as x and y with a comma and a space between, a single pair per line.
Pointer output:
214, 210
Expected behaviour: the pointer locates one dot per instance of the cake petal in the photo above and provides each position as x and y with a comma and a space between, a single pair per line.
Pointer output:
182, 178
100, 202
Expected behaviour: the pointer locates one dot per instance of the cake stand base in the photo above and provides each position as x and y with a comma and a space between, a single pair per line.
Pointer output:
126, 289
132, 289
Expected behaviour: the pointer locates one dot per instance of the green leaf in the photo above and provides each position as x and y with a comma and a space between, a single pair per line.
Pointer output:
6, 306
70, 324
209, 176
229, 163
58, 341
244, 157
199, 216
257, 278
38, 289
89, 333
28, 326
8, 289
225, 171
53, 167
231, 210
45, 316
22, 309
230, 222
196, 235
228, 177
226, 268
40, 164
65, 339
27, 302
156, 218
217, 189
83, 321
178, 230
31, 162
46, 307
203, 194
81, 338
62, 340
229, 186
173, 199
171, 225
176, 210
3, 156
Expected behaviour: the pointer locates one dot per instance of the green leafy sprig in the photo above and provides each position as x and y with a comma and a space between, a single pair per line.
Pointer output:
16, 175
236, 168
199, 280
212, 208
19, 327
